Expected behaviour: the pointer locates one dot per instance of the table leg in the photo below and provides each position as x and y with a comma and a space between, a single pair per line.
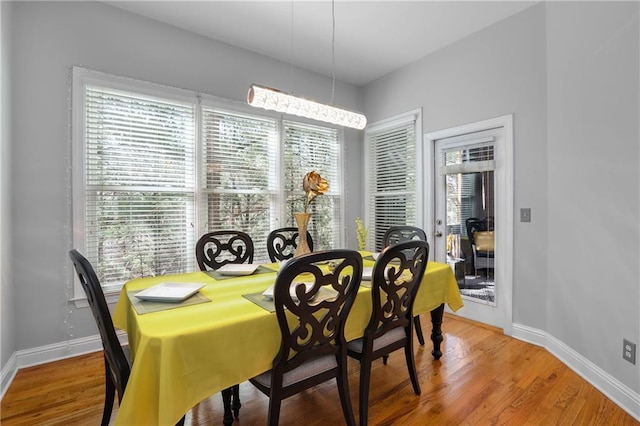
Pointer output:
436, 331
236, 400
227, 419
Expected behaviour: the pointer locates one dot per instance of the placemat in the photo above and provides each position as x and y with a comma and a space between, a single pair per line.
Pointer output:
218, 276
147, 306
259, 299
268, 305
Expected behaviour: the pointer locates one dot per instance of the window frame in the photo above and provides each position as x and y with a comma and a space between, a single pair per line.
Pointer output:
82, 76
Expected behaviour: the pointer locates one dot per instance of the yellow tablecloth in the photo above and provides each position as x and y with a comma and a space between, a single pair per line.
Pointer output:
187, 354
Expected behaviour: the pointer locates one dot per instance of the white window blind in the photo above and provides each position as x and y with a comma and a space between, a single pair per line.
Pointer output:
392, 178
308, 148
139, 184
239, 175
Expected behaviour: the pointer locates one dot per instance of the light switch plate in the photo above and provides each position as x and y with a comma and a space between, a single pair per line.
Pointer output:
525, 215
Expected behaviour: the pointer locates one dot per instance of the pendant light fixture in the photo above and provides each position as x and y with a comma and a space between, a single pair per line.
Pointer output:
275, 100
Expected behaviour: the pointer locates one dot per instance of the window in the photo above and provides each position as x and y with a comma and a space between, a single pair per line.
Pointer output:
154, 168
314, 148
391, 151
239, 176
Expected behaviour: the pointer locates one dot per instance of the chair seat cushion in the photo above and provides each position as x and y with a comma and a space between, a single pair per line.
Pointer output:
387, 338
305, 371
485, 240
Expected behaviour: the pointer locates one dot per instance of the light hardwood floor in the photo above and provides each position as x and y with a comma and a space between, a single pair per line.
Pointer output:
483, 378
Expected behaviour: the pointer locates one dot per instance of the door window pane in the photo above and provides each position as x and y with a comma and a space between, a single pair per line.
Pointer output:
470, 198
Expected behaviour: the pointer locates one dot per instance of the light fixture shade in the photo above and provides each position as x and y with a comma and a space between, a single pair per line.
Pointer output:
275, 100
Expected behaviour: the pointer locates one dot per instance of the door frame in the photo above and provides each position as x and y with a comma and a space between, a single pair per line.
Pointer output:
504, 201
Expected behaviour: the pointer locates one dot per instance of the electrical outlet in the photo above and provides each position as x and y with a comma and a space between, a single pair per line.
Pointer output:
629, 351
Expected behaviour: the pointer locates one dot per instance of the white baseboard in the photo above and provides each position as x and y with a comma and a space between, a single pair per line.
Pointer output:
615, 390
8, 373
50, 353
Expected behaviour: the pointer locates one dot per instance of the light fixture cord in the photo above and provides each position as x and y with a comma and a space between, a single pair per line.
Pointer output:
291, 72
333, 52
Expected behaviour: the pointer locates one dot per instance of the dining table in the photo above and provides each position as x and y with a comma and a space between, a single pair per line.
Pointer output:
226, 333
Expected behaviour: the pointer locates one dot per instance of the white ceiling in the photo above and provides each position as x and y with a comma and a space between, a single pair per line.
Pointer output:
372, 38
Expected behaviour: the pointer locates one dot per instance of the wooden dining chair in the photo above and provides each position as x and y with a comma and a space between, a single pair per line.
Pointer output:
218, 248
396, 234
396, 278
117, 363
312, 303
213, 251
282, 243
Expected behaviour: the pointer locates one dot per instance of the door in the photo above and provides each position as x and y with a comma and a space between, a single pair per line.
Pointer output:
473, 216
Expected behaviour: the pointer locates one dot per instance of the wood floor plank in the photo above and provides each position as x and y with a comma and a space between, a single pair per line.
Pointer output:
483, 378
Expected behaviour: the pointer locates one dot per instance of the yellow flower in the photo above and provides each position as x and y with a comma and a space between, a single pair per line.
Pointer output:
313, 185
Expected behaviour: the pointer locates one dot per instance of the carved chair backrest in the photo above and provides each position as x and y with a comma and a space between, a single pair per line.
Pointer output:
312, 303
398, 233
282, 243
218, 248
396, 278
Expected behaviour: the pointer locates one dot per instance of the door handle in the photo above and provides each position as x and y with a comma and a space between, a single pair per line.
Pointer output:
437, 234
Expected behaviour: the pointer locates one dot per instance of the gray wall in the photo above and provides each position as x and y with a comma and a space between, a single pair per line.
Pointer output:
7, 329
593, 141
569, 73
48, 39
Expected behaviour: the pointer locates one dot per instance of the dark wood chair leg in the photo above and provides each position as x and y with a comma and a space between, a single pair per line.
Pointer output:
365, 378
109, 396
436, 331
274, 409
418, 327
345, 399
227, 418
411, 365
236, 400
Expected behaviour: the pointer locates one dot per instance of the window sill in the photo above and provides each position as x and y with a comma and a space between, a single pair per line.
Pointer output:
110, 294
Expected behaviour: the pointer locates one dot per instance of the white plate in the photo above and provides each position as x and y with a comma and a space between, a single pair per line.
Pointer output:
238, 268
282, 263
367, 272
268, 293
169, 292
